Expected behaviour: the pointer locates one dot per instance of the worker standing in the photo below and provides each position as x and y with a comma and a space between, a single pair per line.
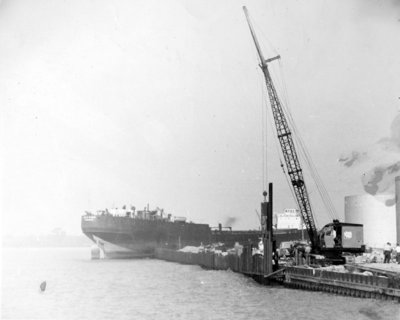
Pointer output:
387, 249
307, 251
398, 253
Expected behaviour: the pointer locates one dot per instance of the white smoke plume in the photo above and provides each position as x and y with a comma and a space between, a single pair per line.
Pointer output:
230, 221
378, 164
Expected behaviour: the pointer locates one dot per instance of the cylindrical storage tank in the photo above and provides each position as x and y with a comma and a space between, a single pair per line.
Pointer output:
398, 209
377, 214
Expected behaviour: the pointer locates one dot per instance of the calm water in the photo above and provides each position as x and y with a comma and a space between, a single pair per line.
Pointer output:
80, 288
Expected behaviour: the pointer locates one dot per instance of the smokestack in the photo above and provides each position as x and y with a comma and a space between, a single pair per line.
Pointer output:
397, 192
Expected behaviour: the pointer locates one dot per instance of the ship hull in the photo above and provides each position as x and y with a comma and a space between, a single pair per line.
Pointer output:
127, 237
111, 250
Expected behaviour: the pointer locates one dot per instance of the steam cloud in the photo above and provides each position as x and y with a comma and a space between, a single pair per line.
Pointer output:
230, 221
379, 179
348, 161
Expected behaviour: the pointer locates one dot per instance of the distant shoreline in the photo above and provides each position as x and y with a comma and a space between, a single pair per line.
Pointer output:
52, 241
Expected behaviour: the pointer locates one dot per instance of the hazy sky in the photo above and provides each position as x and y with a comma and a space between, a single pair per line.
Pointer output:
106, 103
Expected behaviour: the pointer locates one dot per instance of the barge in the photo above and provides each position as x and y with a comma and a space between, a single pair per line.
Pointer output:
137, 234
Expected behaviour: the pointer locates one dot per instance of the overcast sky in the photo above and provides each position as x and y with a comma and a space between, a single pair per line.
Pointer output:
106, 103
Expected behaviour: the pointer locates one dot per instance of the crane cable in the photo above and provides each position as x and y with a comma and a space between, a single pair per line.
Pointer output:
279, 153
306, 155
264, 112
265, 119
287, 178
297, 137
264, 168
264, 136
313, 171
315, 217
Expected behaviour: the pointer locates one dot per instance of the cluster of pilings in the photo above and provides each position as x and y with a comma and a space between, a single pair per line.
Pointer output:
244, 263
299, 277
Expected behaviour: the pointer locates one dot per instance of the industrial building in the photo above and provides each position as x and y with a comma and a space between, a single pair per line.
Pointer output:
289, 219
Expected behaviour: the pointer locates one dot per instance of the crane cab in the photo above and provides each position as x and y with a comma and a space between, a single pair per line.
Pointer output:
338, 237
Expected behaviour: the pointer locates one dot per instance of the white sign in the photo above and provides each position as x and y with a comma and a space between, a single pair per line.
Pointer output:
348, 235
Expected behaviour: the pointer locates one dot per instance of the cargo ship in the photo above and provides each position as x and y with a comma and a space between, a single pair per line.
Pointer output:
136, 234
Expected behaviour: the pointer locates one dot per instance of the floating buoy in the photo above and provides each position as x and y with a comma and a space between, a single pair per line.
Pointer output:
43, 286
95, 252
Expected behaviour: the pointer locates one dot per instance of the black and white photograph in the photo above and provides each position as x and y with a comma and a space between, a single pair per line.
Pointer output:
186, 159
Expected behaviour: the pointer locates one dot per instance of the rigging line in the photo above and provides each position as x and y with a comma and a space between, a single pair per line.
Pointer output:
263, 129
312, 169
305, 153
263, 122
300, 143
265, 116
263, 36
279, 153
285, 98
289, 183
316, 220
314, 173
290, 186
283, 80
265, 144
327, 200
263, 137
321, 190
317, 179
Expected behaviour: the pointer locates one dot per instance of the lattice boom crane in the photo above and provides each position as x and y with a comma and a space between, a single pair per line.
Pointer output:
334, 238
286, 142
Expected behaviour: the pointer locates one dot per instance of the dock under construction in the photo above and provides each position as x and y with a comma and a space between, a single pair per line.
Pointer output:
353, 280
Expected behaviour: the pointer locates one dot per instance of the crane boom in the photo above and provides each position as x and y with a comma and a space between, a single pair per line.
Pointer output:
284, 134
